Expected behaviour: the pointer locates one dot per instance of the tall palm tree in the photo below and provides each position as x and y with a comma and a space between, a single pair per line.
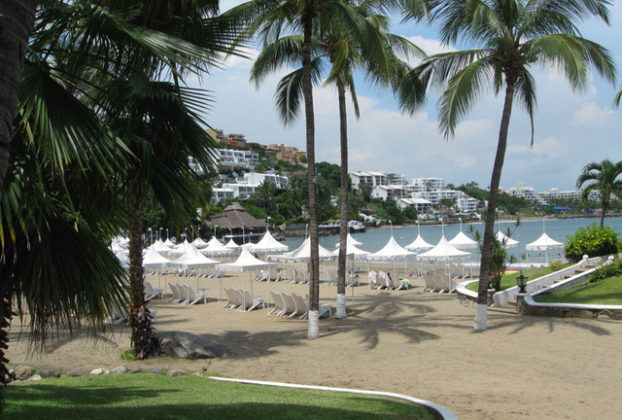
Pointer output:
16, 20
345, 50
514, 35
270, 19
604, 177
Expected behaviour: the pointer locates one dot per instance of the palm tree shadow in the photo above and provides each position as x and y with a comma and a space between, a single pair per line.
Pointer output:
520, 323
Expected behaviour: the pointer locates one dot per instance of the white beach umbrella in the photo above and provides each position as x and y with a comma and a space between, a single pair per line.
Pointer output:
462, 241
443, 251
303, 253
544, 243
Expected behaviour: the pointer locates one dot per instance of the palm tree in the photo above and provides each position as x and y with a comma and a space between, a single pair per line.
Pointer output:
344, 49
603, 177
514, 35
16, 20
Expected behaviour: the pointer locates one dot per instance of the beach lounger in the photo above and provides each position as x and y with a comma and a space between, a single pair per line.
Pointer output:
231, 297
303, 305
289, 305
178, 295
193, 297
251, 302
277, 300
152, 292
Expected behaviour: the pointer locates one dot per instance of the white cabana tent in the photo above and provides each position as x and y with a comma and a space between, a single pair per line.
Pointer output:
232, 245
199, 243
153, 260
443, 251
169, 243
353, 252
350, 240
506, 240
215, 248
192, 259
544, 243
245, 262
461, 241
303, 253
268, 244
419, 244
159, 246
392, 251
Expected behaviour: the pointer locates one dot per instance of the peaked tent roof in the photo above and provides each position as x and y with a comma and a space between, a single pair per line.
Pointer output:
503, 238
419, 244
235, 217
543, 243
245, 262
153, 259
350, 240
199, 243
390, 251
215, 247
268, 244
444, 250
193, 258
231, 244
352, 250
461, 241
303, 253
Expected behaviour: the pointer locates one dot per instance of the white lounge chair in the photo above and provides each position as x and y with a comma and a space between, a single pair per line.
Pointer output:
252, 302
302, 304
178, 295
278, 304
152, 292
231, 297
289, 305
193, 297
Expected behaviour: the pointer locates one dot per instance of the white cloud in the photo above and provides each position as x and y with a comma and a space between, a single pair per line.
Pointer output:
592, 113
430, 46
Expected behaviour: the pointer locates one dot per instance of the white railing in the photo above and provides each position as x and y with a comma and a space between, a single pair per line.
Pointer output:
509, 295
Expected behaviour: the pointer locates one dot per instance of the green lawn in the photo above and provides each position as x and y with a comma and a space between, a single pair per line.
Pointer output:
603, 292
509, 280
145, 396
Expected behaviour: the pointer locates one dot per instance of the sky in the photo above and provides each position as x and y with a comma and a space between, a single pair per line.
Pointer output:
572, 128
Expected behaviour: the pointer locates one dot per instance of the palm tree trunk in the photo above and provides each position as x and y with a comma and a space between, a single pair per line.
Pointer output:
143, 344
307, 87
6, 313
16, 22
482, 292
603, 210
343, 226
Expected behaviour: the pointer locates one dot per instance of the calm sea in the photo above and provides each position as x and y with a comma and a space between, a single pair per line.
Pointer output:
528, 231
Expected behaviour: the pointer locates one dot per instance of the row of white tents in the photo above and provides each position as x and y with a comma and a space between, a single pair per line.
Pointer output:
195, 256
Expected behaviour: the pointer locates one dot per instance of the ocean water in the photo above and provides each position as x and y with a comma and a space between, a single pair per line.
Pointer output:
528, 231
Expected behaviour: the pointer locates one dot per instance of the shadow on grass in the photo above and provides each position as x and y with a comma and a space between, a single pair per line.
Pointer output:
42, 401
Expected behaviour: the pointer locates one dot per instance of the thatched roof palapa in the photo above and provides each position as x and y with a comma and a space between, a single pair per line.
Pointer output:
235, 217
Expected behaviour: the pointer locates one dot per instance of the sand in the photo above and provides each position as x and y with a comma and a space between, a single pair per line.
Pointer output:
410, 342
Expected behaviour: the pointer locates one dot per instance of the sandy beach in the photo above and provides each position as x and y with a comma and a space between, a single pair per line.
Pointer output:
410, 342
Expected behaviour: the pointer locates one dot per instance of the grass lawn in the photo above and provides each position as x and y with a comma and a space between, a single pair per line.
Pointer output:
603, 292
509, 280
148, 396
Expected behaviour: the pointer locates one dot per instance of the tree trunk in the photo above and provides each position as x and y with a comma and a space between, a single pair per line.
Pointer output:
307, 87
143, 343
6, 313
603, 210
482, 292
16, 22
343, 226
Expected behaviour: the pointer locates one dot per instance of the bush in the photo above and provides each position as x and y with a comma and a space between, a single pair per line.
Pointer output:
556, 265
608, 270
593, 241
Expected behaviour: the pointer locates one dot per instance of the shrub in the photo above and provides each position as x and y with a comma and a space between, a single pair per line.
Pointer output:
556, 265
593, 241
608, 270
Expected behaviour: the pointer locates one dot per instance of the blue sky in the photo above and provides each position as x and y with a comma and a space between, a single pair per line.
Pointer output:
572, 128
